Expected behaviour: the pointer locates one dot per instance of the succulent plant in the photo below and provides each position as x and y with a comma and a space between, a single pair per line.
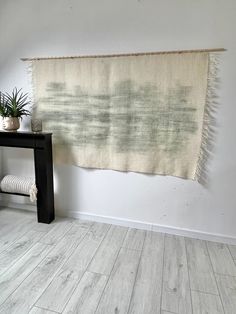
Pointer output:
13, 105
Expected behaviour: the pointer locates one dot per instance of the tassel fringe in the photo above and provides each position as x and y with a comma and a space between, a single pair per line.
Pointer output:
32, 87
33, 192
209, 121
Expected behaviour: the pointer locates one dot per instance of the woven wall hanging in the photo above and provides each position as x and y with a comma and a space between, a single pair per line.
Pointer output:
148, 113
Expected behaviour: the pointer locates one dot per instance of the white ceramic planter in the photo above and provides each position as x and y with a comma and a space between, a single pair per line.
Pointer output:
11, 124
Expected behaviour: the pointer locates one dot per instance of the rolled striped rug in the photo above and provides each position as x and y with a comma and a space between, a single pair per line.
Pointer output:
22, 185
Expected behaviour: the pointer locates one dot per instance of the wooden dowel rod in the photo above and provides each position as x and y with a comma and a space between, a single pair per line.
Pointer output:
128, 54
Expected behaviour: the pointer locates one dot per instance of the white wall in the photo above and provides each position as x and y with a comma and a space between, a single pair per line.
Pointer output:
73, 27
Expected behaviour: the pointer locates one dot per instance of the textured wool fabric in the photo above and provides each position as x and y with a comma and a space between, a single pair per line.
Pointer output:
144, 113
23, 185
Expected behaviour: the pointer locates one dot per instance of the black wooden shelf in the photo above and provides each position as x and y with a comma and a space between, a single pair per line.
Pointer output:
41, 143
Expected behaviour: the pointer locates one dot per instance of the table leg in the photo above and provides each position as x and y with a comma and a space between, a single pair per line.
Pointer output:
44, 182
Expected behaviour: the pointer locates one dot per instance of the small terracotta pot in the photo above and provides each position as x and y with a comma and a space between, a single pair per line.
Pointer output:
11, 124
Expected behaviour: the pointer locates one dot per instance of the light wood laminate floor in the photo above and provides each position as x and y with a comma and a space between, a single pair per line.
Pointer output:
75, 266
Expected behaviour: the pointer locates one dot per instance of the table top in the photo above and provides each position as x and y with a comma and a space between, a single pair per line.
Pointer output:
24, 133
25, 139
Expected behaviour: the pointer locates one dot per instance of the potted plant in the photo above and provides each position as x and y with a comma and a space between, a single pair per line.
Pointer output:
12, 109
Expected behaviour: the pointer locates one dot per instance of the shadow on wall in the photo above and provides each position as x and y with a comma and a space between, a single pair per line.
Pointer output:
66, 188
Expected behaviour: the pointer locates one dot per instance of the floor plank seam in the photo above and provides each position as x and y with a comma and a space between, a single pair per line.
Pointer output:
72, 292
141, 252
224, 275
22, 256
214, 294
98, 249
35, 269
169, 312
41, 308
94, 272
187, 261
110, 272
23, 234
58, 270
162, 278
234, 260
127, 248
22, 280
86, 269
25, 252
214, 274
59, 238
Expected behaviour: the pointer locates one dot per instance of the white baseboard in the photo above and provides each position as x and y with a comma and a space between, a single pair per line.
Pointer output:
107, 219
196, 234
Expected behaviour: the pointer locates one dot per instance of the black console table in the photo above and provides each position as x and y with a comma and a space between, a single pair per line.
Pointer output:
41, 143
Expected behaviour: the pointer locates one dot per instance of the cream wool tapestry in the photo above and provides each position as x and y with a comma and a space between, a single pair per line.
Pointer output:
145, 113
